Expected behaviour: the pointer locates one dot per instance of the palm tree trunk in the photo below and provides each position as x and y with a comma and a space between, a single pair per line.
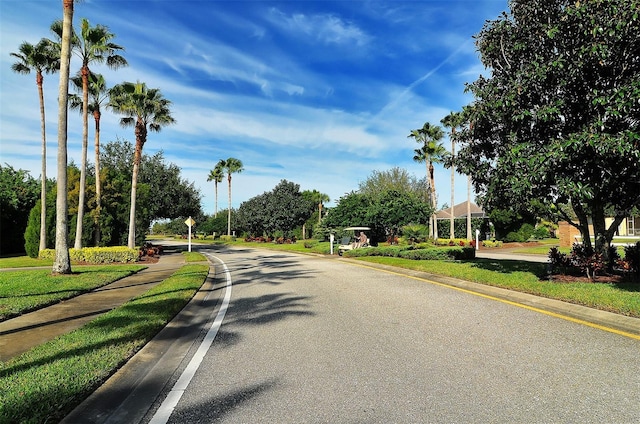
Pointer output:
96, 116
83, 158
216, 208
229, 212
62, 263
137, 157
43, 178
453, 172
469, 235
433, 200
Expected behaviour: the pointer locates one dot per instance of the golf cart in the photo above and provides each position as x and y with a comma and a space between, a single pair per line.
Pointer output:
353, 241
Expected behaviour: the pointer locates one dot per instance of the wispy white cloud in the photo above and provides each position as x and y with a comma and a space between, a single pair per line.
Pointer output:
325, 28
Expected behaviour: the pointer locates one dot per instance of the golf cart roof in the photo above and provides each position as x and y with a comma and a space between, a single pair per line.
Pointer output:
357, 228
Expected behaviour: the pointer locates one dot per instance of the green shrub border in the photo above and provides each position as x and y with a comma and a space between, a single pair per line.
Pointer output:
96, 255
457, 253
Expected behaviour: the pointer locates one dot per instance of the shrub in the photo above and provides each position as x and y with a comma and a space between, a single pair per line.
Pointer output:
541, 233
227, 238
308, 244
32, 233
96, 255
453, 253
631, 261
491, 243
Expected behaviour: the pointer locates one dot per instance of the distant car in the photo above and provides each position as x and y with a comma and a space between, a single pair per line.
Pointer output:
352, 242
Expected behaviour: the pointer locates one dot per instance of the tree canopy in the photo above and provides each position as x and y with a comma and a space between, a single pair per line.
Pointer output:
556, 118
280, 210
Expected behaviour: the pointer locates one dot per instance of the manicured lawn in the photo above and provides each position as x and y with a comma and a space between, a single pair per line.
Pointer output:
47, 382
29, 289
526, 277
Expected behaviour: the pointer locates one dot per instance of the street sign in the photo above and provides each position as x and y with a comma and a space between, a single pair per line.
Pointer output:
190, 222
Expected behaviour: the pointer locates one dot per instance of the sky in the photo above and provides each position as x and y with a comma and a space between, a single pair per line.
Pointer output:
319, 93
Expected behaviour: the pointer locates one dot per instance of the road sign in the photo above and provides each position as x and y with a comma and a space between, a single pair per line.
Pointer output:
190, 222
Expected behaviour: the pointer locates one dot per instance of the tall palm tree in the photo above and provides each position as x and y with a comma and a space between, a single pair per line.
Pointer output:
93, 46
145, 109
453, 120
232, 166
43, 58
431, 151
62, 262
98, 97
216, 175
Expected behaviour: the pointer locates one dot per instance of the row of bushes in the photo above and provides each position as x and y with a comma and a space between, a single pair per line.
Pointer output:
96, 255
411, 252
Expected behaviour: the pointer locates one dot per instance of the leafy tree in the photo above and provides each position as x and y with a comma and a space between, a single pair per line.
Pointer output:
397, 179
62, 262
557, 118
231, 166
351, 210
43, 58
431, 151
393, 210
216, 175
281, 210
18, 194
98, 97
162, 192
145, 109
287, 208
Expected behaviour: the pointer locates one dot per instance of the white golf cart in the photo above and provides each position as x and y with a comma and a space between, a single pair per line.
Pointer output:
353, 241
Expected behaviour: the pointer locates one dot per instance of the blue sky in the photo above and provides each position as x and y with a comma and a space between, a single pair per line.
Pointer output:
321, 93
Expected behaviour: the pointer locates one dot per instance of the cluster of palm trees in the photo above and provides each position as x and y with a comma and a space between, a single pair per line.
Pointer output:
143, 108
230, 166
432, 151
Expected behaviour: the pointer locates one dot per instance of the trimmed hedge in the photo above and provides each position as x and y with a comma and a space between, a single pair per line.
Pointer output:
409, 252
97, 255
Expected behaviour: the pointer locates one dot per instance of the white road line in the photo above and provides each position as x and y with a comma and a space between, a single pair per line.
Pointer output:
168, 405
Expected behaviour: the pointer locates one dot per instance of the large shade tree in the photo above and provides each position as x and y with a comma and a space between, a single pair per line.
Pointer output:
92, 45
145, 109
42, 58
230, 166
62, 261
556, 118
430, 151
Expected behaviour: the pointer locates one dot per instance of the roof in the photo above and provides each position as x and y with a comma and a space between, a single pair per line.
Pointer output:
460, 211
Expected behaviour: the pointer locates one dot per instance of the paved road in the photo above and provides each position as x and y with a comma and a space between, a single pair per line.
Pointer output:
316, 340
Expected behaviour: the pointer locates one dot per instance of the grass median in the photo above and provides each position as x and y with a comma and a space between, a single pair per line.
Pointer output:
47, 382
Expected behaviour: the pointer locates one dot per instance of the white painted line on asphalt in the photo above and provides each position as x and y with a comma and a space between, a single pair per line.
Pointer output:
168, 405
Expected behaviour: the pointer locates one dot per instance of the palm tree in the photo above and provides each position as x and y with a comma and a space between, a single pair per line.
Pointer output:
144, 109
44, 57
62, 262
216, 175
431, 151
92, 46
453, 120
98, 94
232, 166
320, 198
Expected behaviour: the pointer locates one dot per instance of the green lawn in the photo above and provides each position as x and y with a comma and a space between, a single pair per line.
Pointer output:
28, 289
45, 383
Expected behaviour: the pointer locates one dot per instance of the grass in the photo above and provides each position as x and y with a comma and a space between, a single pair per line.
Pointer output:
47, 382
525, 277
23, 261
29, 289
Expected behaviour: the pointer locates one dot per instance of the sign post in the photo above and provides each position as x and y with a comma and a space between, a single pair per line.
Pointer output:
190, 222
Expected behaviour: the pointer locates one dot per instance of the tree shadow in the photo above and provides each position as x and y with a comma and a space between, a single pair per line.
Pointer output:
509, 266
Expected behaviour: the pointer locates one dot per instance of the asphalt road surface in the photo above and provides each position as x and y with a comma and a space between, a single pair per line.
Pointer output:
307, 339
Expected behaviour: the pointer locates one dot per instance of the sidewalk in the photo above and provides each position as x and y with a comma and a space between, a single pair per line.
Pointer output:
22, 333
